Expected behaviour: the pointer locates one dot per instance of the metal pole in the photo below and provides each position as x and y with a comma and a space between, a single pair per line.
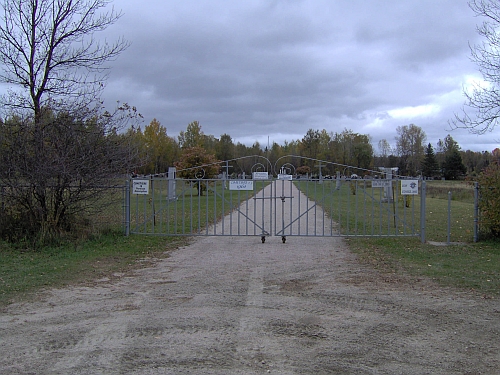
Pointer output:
476, 211
127, 207
449, 218
422, 212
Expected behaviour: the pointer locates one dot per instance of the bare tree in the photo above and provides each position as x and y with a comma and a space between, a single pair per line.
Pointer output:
59, 146
481, 111
50, 55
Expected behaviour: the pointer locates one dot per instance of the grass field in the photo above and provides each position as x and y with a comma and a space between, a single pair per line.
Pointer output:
22, 273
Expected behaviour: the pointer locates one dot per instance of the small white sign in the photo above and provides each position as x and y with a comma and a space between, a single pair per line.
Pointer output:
287, 177
381, 183
140, 187
260, 175
240, 185
409, 187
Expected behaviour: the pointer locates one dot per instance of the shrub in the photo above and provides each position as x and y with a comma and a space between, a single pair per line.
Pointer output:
489, 203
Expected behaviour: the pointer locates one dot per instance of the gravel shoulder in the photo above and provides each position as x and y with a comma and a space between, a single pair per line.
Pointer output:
234, 305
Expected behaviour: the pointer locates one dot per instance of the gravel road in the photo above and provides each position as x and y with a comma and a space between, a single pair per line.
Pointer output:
234, 305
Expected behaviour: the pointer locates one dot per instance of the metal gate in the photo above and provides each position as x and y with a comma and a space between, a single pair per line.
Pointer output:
284, 205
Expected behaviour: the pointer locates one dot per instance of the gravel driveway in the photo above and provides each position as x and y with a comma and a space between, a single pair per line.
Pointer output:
234, 305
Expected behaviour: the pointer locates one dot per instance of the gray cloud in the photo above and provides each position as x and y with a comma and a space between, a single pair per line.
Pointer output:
262, 69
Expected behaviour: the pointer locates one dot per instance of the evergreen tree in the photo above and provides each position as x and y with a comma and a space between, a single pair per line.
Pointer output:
430, 166
453, 167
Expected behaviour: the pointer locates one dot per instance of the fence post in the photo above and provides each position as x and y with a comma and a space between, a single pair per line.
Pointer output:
127, 207
449, 219
422, 212
476, 211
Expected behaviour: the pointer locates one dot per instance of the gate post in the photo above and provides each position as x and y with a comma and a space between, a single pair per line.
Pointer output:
171, 183
422, 213
127, 207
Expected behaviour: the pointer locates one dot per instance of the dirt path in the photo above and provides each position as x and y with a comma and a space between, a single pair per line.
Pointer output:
234, 305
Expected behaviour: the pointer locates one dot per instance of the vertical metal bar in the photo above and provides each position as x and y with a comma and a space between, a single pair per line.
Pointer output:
168, 202
176, 207
339, 206
136, 213
324, 210
282, 207
237, 212
373, 211
422, 212
255, 191
263, 208
476, 211
356, 208
413, 230
390, 211
330, 210
315, 207
396, 209
183, 208
272, 194
272, 202
127, 207
348, 207
307, 207
230, 211
403, 222
449, 219
215, 210
298, 209
290, 183
207, 203
364, 207
332, 205
191, 208
160, 204
246, 212
144, 199
380, 207
223, 206
153, 208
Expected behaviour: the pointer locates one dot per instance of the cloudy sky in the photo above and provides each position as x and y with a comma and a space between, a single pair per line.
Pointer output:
272, 69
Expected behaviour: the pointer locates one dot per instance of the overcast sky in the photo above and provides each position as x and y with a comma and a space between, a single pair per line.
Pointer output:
272, 69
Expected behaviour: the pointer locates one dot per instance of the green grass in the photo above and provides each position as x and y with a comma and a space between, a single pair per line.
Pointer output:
471, 266
22, 273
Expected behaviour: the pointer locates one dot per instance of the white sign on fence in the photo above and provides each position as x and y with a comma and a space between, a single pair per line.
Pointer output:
140, 187
381, 183
240, 185
409, 187
260, 175
287, 177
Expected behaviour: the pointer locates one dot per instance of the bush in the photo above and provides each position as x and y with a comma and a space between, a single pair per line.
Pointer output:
489, 202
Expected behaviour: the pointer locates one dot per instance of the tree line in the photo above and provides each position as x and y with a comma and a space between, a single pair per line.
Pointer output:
411, 154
